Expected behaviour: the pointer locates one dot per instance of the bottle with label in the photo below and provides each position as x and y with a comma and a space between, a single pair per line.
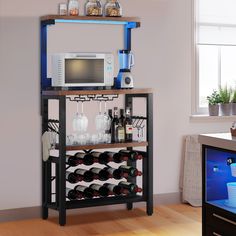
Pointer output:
132, 155
128, 126
111, 118
73, 8
114, 126
129, 187
102, 157
121, 127
72, 194
117, 157
100, 190
113, 189
85, 175
72, 177
93, 8
86, 158
73, 160
84, 191
101, 174
129, 171
115, 173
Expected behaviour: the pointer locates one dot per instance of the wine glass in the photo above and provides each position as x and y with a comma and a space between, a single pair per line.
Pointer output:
107, 125
99, 122
80, 125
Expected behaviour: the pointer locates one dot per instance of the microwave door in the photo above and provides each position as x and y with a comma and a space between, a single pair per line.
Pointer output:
84, 72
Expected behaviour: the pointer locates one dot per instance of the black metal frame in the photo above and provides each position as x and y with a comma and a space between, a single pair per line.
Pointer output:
60, 204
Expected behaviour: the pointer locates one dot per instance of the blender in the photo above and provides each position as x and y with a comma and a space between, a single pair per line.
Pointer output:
125, 79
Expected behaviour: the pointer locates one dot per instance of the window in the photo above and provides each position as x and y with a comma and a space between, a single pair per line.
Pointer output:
215, 47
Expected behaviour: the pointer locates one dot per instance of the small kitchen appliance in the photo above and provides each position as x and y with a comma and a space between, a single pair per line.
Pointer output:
125, 79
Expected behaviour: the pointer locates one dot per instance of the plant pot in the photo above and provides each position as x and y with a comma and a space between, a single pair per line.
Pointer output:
233, 108
213, 110
225, 109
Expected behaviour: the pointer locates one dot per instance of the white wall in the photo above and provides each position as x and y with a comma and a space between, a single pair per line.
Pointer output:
162, 48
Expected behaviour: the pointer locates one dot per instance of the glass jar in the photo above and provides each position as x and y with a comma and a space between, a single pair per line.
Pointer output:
113, 8
93, 8
73, 8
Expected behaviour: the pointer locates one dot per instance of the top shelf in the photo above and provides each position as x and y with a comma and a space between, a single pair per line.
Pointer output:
132, 22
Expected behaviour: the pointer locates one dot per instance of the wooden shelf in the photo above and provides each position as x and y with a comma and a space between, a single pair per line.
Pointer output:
105, 145
95, 92
91, 18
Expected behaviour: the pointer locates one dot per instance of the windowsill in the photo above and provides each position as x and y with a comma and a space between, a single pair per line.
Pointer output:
213, 118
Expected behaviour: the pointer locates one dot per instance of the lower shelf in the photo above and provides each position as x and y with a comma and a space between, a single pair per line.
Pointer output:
99, 202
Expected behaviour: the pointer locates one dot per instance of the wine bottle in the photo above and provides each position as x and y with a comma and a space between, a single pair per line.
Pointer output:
114, 189
132, 155
129, 187
111, 118
73, 160
101, 174
121, 127
114, 126
85, 191
130, 171
117, 157
72, 194
85, 175
128, 126
87, 158
72, 177
115, 173
103, 158
100, 190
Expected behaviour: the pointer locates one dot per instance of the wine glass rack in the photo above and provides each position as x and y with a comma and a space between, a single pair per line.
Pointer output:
57, 200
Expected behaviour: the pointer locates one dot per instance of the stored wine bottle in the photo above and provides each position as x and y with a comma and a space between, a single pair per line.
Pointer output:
129, 187
87, 158
115, 173
111, 117
115, 189
121, 127
117, 157
73, 160
72, 177
72, 194
114, 126
85, 175
128, 126
100, 190
103, 158
85, 191
102, 174
129, 171
132, 155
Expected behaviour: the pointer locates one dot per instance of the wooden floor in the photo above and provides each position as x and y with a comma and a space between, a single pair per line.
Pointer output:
176, 220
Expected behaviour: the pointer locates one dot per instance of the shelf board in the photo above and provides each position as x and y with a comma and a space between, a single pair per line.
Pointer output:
95, 92
92, 19
113, 200
105, 145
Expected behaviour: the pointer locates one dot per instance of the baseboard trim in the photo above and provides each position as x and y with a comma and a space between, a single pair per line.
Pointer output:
35, 212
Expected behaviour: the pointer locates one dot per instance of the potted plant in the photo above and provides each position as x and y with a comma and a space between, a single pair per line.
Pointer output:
213, 103
225, 106
233, 102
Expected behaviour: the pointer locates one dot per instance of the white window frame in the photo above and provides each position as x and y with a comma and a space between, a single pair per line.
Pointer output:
196, 109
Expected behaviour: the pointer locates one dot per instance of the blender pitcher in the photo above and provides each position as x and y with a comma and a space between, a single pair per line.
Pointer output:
126, 61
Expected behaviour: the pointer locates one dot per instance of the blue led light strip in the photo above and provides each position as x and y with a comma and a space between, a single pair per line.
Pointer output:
92, 22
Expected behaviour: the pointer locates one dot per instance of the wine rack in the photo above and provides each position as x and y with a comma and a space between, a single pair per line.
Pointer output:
57, 200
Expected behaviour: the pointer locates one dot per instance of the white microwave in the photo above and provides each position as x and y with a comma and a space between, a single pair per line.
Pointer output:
82, 70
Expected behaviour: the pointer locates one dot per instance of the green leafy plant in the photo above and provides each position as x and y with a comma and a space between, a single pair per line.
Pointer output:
233, 96
225, 95
214, 98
